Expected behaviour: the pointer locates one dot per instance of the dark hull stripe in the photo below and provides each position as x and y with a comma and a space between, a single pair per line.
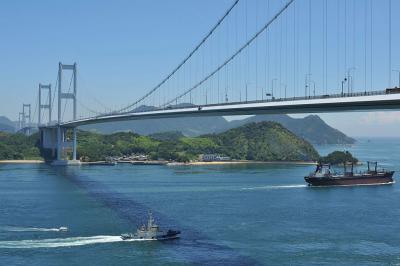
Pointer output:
347, 181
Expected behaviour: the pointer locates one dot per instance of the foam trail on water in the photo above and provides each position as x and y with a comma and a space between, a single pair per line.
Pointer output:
28, 229
64, 242
274, 187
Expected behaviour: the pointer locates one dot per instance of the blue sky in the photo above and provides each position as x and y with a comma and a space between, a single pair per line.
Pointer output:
123, 48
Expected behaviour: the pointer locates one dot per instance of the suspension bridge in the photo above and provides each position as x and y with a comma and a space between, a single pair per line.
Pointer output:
260, 57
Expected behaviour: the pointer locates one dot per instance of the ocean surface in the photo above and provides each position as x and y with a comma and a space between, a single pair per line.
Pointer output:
228, 215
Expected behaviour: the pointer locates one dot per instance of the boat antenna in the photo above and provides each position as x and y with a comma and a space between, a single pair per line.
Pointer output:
150, 222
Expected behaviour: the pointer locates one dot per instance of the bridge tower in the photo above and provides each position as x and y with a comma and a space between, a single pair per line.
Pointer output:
44, 105
20, 115
26, 119
63, 142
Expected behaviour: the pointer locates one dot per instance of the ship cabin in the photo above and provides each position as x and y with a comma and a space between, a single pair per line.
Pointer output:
322, 170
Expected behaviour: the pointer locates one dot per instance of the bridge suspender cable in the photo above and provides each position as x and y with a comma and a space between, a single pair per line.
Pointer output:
232, 56
371, 43
365, 44
390, 44
184, 60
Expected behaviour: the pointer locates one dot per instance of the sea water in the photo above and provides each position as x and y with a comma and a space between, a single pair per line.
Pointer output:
256, 214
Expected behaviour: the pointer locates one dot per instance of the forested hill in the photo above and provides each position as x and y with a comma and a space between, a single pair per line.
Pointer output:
264, 141
18, 146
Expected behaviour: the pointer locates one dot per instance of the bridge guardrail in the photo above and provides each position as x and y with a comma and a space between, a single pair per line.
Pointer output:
316, 97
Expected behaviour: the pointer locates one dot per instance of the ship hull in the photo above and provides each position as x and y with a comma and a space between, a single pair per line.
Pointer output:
170, 235
161, 238
351, 180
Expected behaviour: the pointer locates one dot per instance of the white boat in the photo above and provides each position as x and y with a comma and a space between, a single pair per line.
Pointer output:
151, 232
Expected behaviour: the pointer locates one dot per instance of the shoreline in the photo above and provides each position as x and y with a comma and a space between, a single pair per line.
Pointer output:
242, 162
156, 162
21, 161
172, 163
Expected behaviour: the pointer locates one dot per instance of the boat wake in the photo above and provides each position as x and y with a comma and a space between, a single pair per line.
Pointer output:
274, 187
29, 229
64, 242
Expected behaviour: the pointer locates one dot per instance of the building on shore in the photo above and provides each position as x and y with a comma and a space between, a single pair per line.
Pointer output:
213, 158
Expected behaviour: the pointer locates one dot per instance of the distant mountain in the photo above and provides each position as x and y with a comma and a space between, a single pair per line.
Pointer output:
312, 128
6, 125
192, 126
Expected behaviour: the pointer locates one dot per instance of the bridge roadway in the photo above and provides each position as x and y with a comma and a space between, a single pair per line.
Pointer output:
369, 101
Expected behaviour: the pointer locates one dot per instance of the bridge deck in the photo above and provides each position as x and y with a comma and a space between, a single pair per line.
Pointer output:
378, 100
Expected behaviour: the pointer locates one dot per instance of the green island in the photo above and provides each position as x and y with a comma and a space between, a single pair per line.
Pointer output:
338, 157
263, 141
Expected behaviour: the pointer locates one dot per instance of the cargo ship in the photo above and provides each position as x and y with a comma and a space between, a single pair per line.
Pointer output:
324, 176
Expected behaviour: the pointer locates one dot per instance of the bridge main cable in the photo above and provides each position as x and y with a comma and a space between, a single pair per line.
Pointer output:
232, 56
184, 60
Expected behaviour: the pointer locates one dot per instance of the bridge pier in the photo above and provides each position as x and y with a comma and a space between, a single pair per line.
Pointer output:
64, 144
59, 145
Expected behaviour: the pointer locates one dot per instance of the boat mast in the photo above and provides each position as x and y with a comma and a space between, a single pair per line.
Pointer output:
151, 220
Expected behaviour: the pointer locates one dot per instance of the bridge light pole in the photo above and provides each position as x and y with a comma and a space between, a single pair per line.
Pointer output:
285, 86
246, 90
350, 79
272, 87
313, 82
307, 84
398, 71
262, 92
343, 82
247, 84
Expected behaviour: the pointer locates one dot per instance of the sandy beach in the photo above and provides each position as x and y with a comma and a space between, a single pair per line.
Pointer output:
245, 162
21, 161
